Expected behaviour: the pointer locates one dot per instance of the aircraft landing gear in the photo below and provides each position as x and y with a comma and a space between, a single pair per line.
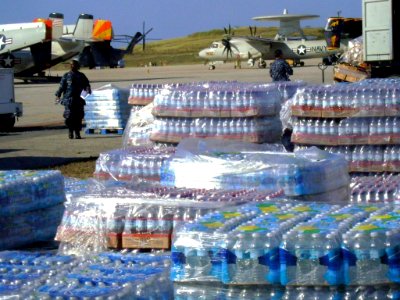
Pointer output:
211, 67
262, 64
297, 62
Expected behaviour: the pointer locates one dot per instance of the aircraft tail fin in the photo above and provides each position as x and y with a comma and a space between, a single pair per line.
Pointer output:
48, 24
102, 30
136, 39
57, 20
333, 32
84, 27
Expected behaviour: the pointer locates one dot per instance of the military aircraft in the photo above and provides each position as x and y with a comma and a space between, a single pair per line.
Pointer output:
257, 49
58, 48
102, 53
17, 36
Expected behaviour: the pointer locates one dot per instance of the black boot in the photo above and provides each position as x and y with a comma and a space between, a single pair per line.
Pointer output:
71, 134
77, 135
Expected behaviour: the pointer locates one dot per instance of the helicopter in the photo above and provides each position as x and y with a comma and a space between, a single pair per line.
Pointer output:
256, 49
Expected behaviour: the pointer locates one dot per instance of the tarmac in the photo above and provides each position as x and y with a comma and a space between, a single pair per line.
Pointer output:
39, 139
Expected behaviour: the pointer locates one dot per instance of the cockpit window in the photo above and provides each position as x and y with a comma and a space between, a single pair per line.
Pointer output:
214, 45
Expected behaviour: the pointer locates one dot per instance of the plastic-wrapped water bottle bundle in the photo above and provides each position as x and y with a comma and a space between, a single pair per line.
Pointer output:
311, 253
125, 217
349, 131
238, 245
310, 171
41, 275
367, 158
144, 93
107, 107
254, 130
218, 99
139, 127
329, 245
132, 162
22, 191
188, 291
375, 189
30, 227
371, 249
373, 98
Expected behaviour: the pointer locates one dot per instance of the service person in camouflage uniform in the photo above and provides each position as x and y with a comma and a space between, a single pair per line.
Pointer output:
280, 70
71, 86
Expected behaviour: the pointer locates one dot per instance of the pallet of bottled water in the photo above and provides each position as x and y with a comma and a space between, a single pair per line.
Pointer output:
348, 131
22, 190
140, 216
369, 158
107, 108
43, 275
375, 189
186, 291
305, 172
291, 245
218, 99
237, 245
132, 162
144, 93
369, 98
31, 206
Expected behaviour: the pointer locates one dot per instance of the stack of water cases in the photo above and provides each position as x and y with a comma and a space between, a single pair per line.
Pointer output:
189, 291
291, 245
375, 189
132, 162
31, 206
107, 110
41, 275
360, 120
142, 94
310, 173
237, 245
225, 110
140, 216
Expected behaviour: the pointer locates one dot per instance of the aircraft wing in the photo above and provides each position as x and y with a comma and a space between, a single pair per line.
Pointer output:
18, 36
262, 45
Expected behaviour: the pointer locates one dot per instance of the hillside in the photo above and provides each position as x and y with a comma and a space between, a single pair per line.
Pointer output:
185, 50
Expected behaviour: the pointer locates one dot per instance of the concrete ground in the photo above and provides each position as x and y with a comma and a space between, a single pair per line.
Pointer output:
40, 138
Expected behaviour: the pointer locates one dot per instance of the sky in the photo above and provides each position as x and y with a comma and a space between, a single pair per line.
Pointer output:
176, 18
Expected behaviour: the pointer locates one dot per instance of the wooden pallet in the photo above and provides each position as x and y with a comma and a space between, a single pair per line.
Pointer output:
104, 131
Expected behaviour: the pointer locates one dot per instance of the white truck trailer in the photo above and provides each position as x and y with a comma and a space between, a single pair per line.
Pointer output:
9, 109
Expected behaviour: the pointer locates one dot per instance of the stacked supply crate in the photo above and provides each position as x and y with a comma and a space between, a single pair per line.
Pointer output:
360, 120
31, 206
107, 110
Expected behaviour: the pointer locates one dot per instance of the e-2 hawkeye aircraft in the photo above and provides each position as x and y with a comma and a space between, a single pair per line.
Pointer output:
338, 32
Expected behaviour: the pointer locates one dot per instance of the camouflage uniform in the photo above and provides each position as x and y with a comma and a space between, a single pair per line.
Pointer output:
71, 86
280, 70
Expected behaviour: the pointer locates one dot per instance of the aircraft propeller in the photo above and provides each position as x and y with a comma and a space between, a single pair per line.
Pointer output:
253, 30
226, 41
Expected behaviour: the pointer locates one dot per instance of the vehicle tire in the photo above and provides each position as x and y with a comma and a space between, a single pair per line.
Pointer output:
302, 64
7, 122
212, 67
262, 65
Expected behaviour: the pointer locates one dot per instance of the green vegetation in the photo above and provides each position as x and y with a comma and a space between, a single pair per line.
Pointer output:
184, 50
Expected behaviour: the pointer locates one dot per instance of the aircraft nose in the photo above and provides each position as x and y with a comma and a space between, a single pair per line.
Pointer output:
202, 53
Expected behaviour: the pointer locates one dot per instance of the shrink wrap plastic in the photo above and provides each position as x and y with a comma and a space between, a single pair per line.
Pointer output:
139, 215
107, 107
31, 206
108, 275
290, 244
304, 172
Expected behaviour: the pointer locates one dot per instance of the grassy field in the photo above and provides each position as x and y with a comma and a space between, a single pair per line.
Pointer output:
178, 51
